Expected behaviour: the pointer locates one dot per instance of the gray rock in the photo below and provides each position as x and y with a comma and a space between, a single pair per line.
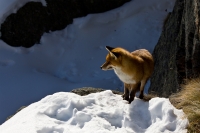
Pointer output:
177, 54
87, 90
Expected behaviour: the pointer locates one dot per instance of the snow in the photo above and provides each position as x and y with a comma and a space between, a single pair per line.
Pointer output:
103, 112
71, 58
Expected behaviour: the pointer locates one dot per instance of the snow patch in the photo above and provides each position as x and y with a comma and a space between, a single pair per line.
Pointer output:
102, 112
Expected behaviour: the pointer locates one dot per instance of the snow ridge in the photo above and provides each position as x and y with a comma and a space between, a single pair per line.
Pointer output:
102, 112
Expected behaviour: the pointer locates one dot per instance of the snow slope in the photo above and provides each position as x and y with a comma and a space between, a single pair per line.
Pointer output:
71, 58
102, 112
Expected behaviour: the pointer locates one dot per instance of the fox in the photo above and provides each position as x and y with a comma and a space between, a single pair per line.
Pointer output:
132, 68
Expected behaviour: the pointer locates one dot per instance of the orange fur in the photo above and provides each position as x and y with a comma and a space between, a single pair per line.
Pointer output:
134, 69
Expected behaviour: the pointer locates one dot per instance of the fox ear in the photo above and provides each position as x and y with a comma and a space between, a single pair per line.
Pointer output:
109, 48
111, 53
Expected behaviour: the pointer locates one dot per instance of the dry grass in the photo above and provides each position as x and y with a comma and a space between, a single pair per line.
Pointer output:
189, 100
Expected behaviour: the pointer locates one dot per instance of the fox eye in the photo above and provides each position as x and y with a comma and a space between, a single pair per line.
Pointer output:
113, 57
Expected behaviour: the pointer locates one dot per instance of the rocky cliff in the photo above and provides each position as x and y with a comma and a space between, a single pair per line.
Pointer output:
177, 54
26, 27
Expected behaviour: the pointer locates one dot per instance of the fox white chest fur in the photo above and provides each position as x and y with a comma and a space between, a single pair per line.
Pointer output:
123, 76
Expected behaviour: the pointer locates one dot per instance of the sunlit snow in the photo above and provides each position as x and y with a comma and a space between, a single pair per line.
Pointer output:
103, 112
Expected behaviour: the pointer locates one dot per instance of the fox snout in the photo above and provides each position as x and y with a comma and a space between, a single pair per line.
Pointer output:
106, 66
101, 67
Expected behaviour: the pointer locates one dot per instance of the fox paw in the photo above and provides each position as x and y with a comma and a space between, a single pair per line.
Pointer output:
141, 96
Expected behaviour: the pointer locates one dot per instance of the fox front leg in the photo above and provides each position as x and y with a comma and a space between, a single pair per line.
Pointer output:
125, 96
133, 89
132, 96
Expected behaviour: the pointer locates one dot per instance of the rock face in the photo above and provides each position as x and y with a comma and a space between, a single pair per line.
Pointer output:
26, 27
177, 54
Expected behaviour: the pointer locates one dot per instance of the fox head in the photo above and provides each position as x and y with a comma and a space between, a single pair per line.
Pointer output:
112, 59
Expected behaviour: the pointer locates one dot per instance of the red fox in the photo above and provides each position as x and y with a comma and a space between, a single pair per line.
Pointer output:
134, 69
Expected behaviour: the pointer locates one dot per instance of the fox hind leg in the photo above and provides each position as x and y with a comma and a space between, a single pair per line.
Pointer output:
143, 82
